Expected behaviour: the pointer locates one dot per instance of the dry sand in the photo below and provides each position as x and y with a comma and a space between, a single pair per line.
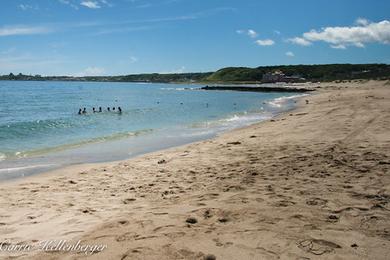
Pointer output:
313, 183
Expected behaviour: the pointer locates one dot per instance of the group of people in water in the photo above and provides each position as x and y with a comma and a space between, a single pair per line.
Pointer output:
84, 110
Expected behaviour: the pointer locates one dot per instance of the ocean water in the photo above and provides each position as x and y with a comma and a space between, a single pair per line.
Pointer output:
40, 128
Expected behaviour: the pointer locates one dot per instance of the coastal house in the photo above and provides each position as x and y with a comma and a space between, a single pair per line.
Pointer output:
279, 76
275, 76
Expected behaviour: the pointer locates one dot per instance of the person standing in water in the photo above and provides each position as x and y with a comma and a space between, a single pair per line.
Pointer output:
84, 110
93, 109
100, 109
120, 110
108, 109
80, 111
113, 108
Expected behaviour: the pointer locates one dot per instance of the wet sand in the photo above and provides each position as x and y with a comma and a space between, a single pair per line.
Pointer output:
313, 183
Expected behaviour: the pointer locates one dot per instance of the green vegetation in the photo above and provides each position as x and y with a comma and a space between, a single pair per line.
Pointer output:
329, 72
234, 74
155, 77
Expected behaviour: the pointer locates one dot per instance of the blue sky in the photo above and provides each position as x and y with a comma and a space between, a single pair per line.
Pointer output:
115, 37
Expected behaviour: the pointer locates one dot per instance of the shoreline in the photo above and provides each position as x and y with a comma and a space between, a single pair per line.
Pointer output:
59, 157
260, 88
310, 181
88, 166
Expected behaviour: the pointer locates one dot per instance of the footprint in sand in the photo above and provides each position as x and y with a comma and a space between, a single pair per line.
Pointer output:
283, 203
316, 202
125, 236
318, 246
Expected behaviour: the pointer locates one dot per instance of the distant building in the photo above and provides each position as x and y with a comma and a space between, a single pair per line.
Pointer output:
279, 76
271, 77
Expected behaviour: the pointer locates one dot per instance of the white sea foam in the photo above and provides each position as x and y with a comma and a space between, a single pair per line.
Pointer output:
2, 157
179, 89
15, 169
278, 102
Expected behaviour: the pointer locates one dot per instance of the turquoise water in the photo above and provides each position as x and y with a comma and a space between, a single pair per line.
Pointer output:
40, 118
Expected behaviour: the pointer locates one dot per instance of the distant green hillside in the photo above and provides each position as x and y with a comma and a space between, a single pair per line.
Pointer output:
327, 72
232, 74
153, 77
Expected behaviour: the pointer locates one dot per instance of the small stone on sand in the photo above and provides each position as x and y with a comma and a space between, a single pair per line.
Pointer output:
191, 220
209, 257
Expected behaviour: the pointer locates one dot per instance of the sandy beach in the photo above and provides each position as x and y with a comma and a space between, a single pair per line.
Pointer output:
312, 183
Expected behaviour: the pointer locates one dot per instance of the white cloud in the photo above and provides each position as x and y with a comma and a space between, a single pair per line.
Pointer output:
27, 63
290, 54
340, 37
362, 21
277, 32
340, 46
8, 51
68, 2
250, 32
265, 42
91, 71
299, 41
90, 4
133, 59
23, 30
26, 7
122, 30
175, 71
106, 3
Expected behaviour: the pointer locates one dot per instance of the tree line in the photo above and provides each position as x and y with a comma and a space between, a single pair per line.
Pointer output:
327, 72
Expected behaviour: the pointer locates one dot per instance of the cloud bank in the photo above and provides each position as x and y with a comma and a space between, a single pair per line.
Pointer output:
340, 37
90, 4
23, 30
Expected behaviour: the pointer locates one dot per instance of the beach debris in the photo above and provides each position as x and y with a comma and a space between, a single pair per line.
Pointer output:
72, 182
191, 220
333, 218
128, 200
162, 161
209, 257
207, 214
123, 222
234, 143
223, 220
354, 245
307, 101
